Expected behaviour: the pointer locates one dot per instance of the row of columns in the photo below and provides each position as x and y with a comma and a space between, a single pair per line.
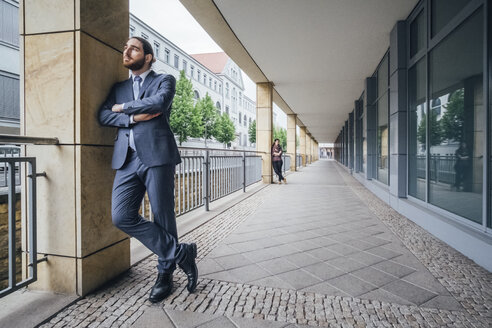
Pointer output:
264, 134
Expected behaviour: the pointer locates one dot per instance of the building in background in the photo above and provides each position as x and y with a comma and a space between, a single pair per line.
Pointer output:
9, 67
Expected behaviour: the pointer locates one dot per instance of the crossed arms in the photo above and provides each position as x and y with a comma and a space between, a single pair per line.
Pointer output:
113, 114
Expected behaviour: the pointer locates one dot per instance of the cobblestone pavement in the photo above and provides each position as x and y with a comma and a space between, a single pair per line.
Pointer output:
222, 303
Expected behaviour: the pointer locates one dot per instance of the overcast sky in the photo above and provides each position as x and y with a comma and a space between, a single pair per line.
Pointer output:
173, 21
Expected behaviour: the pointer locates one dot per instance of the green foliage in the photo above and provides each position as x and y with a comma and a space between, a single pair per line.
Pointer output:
281, 135
225, 131
435, 132
252, 132
183, 119
206, 109
453, 118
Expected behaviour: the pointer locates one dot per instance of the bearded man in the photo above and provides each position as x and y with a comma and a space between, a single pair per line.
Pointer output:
145, 155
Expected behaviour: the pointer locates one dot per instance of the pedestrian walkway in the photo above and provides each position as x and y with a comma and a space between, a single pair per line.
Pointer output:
319, 251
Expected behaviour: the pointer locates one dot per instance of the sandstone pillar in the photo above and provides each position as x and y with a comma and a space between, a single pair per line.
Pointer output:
264, 127
71, 53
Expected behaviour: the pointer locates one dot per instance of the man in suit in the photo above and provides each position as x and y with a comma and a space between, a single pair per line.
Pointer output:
145, 156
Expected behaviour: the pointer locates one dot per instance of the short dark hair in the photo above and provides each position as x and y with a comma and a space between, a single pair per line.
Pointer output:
147, 47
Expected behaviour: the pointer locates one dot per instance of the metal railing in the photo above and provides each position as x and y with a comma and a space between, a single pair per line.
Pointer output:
10, 164
206, 175
298, 160
441, 168
8, 151
285, 162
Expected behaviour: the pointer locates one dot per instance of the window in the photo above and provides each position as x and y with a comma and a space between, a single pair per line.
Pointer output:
240, 118
447, 130
210, 82
185, 66
443, 11
167, 55
196, 95
176, 61
382, 120
215, 85
220, 88
240, 99
132, 31
156, 49
457, 134
199, 76
192, 71
204, 78
417, 130
9, 97
417, 34
227, 90
234, 100
244, 120
218, 105
227, 110
145, 36
9, 31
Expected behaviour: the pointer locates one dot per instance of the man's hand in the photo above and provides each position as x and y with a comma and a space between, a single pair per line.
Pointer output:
145, 117
117, 108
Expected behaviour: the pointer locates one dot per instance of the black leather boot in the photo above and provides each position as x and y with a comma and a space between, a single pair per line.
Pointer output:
162, 288
188, 264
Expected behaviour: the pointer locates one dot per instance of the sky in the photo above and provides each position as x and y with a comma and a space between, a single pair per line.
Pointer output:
171, 19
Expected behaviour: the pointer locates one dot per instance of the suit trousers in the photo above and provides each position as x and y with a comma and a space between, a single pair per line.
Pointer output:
277, 167
130, 183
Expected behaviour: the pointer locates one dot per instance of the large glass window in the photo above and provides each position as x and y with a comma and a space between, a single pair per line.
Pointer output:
443, 11
417, 34
383, 127
417, 130
456, 134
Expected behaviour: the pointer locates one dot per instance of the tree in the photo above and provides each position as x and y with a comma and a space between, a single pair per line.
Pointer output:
225, 130
252, 132
206, 109
280, 134
183, 119
454, 117
435, 132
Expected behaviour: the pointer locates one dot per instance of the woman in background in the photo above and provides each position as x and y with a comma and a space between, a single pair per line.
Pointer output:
277, 160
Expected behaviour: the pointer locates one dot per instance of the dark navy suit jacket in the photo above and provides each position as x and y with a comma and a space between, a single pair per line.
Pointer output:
154, 139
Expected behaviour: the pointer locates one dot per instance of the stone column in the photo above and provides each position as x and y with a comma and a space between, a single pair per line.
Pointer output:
71, 53
398, 111
291, 140
308, 148
302, 144
264, 130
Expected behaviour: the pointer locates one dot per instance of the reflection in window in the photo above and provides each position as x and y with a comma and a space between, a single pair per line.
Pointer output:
383, 130
417, 130
456, 134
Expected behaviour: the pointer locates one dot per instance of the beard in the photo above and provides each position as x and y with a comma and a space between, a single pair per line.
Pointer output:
136, 65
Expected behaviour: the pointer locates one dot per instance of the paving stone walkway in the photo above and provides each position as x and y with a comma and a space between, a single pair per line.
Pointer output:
320, 251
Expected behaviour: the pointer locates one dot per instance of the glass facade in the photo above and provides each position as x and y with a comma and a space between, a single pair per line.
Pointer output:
448, 136
442, 11
417, 135
417, 34
457, 130
382, 122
